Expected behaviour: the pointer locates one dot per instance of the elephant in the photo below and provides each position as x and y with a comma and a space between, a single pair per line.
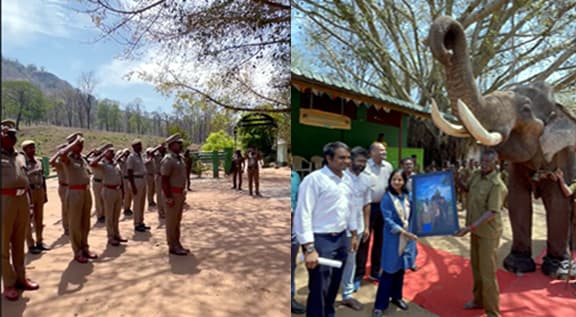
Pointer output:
528, 128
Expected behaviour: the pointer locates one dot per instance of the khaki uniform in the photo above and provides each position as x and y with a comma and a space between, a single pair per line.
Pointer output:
253, 173
158, 185
112, 196
150, 186
62, 190
35, 173
485, 193
96, 190
15, 217
136, 163
79, 202
173, 166
127, 203
465, 174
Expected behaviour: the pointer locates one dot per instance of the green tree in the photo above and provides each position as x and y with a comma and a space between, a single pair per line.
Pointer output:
22, 100
217, 141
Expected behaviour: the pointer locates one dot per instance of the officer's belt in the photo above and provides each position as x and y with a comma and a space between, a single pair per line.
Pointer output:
97, 180
135, 176
13, 191
36, 186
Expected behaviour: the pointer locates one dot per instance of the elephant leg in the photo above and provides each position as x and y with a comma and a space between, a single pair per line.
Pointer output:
520, 211
558, 226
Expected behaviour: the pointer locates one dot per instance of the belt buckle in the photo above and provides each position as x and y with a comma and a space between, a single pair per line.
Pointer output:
20, 192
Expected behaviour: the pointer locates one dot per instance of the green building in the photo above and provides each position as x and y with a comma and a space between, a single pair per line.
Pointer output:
324, 110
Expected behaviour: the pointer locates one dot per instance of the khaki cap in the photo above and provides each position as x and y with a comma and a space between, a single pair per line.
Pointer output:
10, 124
27, 142
72, 137
174, 138
104, 147
61, 146
136, 141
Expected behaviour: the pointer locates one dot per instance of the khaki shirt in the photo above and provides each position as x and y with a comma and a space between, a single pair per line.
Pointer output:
60, 171
149, 165
135, 163
97, 172
111, 174
173, 166
157, 160
504, 175
13, 170
77, 170
35, 171
486, 193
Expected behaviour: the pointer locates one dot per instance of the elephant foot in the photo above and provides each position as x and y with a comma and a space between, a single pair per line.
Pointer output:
559, 269
516, 263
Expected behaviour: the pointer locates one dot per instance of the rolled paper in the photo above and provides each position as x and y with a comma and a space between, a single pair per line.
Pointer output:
326, 262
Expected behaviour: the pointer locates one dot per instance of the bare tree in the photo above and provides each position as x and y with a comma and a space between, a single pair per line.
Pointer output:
86, 83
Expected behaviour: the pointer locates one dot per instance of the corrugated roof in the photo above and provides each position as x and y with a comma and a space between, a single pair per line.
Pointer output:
354, 89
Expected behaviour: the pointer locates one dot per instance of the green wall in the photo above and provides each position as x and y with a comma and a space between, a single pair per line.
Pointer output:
308, 141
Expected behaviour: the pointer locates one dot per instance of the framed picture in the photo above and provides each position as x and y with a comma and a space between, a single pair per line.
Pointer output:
434, 211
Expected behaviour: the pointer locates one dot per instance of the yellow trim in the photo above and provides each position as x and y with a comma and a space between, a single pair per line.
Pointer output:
324, 119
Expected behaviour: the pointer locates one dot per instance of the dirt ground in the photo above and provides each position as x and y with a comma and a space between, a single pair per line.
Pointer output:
239, 266
459, 246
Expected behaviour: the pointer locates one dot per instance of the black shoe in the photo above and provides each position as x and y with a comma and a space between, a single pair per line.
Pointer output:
139, 228
152, 204
297, 308
143, 225
128, 212
42, 246
66, 232
400, 303
101, 219
34, 250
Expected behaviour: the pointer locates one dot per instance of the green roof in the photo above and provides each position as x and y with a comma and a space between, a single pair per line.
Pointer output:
352, 88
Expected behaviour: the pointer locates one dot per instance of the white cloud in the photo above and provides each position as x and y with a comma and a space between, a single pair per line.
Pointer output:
24, 21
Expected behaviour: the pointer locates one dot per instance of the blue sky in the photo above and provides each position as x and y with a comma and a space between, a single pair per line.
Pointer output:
47, 34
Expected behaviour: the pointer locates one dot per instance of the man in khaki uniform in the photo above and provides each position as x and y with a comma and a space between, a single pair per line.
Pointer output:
112, 192
15, 215
97, 185
136, 172
173, 170
149, 165
127, 201
38, 196
253, 169
161, 149
486, 193
62, 186
78, 198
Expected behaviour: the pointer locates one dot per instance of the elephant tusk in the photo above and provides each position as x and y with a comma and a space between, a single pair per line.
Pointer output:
447, 127
476, 128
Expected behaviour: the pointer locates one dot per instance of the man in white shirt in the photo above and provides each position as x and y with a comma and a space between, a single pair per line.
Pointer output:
380, 171
360, 206
321, 220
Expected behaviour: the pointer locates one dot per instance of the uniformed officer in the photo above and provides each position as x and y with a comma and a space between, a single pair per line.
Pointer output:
173, 170
78, 198
97, 185
149, 165
486, 193
38, 196
62, 186
15, 215
253, 170
127, 201
159, 153
136, 171
111, 193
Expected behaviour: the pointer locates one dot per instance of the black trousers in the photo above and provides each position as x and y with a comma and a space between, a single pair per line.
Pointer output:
377, 226
324, 281
390, 287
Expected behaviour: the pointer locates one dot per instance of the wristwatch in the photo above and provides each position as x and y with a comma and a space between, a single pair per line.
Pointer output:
309, 248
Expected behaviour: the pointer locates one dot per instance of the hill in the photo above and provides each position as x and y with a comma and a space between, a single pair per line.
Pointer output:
48, 137
48, 83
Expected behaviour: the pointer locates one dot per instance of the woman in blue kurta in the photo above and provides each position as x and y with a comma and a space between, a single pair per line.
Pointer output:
399, 248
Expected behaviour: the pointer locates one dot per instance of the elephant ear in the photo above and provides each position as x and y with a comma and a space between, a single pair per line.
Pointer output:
559, 132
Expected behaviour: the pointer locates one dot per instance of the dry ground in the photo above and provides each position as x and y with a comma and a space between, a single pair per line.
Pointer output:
454, 245
239, 267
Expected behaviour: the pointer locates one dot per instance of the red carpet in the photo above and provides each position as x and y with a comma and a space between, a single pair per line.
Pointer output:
443, 284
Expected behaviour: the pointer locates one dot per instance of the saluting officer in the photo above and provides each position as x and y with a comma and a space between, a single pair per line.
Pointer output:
149, 164
62, 186
78, 198
111, 193
97, 185
127, 201
38, 196
173, 170
136, 171
15, 215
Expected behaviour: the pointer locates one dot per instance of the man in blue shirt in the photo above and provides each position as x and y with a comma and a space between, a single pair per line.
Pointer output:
297, 308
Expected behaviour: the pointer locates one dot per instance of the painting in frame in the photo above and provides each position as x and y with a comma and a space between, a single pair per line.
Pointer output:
434, 210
